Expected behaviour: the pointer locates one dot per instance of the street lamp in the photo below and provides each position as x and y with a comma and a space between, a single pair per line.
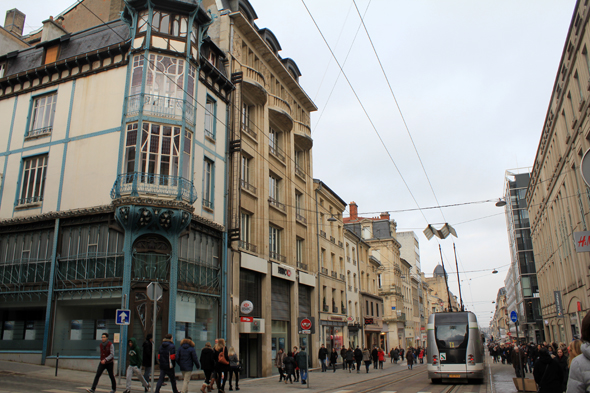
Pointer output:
501, 202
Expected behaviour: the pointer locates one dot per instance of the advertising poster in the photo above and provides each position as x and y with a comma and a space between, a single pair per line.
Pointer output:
101, 327
8, 333
29, 330
76, 329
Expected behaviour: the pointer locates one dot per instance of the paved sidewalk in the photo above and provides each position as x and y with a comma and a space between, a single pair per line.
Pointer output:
501, 376
318, 381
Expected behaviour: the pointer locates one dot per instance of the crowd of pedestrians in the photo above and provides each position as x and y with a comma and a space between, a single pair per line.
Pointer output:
556, 368
219, 363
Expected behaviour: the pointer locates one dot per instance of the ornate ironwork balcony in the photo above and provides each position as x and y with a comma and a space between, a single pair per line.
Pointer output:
277, 257
137, 183
325, 271
17, 274
334, 274
300, 218
248, 246
39, 132
274, 203
198, 276
333, 239
248, 187
322, 234
161, 106
302, 265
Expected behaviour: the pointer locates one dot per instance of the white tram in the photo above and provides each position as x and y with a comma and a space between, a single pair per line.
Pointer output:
455, 350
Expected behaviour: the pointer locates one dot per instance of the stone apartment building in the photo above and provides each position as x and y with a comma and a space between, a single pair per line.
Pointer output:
114, 159
558, 200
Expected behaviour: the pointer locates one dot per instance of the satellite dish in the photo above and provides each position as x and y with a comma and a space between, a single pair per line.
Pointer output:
585, 168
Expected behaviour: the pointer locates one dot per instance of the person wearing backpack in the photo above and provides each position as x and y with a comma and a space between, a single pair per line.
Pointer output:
167, 362
221, 364
186, 356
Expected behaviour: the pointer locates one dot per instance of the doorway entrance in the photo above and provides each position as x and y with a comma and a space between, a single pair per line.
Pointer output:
250, 353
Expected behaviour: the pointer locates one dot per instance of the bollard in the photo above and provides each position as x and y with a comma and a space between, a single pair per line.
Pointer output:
56, 363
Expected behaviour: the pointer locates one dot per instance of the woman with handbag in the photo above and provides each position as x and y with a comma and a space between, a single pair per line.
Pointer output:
234, 364
221, 364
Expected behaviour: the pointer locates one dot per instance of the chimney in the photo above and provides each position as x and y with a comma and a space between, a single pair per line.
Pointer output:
353, 210
385, 216
51, 30
15, 22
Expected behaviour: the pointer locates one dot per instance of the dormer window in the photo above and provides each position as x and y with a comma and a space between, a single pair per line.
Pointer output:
51, 54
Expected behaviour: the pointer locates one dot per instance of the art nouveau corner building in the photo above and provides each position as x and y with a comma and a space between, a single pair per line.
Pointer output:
113, 159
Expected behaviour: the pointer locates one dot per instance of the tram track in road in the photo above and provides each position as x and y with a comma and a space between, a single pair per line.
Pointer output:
373, 388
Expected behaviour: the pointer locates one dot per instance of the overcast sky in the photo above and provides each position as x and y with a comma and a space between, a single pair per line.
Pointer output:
473, 80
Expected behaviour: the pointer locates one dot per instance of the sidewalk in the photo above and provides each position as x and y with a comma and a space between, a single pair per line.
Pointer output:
501, 376
318, 381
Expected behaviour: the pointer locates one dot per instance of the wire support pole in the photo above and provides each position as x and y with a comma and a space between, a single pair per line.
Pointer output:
446, 281
458, 280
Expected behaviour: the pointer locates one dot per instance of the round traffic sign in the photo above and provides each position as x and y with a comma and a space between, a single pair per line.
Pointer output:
513, 316
305, 324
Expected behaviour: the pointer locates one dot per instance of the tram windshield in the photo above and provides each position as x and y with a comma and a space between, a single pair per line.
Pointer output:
451, 331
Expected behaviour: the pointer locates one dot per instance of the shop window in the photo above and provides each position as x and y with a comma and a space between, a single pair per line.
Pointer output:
22, 329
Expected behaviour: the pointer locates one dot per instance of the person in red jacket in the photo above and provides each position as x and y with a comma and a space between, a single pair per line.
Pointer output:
381, 356
107, 356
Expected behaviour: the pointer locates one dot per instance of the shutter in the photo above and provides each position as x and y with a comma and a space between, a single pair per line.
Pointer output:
304, 301
280, 299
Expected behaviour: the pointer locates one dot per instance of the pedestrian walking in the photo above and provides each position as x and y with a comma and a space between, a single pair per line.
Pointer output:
410, 359
234, 367
147, 357
375, 357
135, 360
421, 356
381, 357
367, 358
579, 376
518, 360
186, 357
334, 358
563, 363
323, 357
395, 355
301, 360
279, 363
221, 359
107, 356
343, 354
167, 362
402, 353
547, 373
208, 365
349, 359
295, 352
358, 358
290, 365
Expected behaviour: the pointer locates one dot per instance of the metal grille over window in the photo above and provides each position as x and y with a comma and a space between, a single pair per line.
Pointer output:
33, 181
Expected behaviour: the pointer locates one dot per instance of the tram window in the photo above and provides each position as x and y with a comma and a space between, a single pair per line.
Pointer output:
452, 336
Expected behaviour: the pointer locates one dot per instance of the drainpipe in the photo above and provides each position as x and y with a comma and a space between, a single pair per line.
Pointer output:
224, 250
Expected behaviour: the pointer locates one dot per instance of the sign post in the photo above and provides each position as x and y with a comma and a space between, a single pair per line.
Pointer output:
514, 318
122, 318
306, 325
154, 293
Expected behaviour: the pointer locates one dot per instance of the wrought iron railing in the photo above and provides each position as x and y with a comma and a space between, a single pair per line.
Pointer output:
325, 271
335, 309
248, 187
136, 183
30, 200
161, 106
322, 234
340, 244
354, 262
277, 257
198, 276
334, 274
209, 134
299, 172
208, 204
39, 132
302, 265
150, 267
273, 202
350, 288
247, 246
326, 308
342, 310
14, 275
277, 152
301, 218
342, 277
248, 130
348, 259
78, 270
356, 289
333, 239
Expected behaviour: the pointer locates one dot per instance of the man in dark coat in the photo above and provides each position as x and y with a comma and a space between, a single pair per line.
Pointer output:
323, 357
518, 360
375, 357
186, 356
208, 365
343, 354
358, 358
167, 361
301, 359
148, 353
547, 373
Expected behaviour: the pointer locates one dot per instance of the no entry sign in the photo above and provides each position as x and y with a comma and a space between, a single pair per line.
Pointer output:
306, 325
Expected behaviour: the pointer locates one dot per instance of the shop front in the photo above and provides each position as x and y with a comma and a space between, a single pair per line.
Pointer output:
333, 333
283, 278
373, 326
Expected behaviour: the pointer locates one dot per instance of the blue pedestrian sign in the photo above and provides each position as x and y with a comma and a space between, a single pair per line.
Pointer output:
123, 317
513, 316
